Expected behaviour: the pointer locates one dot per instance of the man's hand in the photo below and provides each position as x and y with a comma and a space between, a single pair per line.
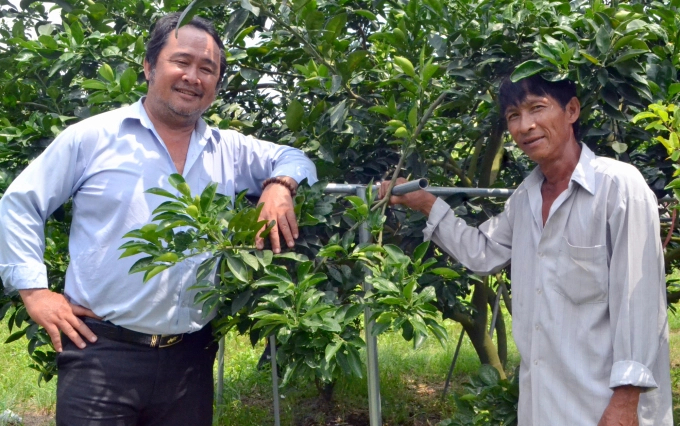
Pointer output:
53, 312
278, 206
419, 200
622, 408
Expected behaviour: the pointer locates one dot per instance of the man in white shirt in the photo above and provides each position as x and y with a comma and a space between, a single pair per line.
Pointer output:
149, 353
588, 282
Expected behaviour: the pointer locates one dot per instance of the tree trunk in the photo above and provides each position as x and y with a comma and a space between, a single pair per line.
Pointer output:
499, 329
492, 157
477, 328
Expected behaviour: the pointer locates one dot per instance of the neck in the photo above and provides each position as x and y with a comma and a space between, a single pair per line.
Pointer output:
560, 169
166, 122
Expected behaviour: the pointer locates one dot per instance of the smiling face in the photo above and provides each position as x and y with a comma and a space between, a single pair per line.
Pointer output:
541, 128
183, 83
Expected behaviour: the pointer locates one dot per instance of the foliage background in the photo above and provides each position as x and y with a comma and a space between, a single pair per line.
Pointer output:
363, 88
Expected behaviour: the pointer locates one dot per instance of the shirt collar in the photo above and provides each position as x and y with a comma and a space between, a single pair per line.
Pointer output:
583, 174
136, 111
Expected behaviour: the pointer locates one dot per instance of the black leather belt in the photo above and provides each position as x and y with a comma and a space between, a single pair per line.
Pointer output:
120, 334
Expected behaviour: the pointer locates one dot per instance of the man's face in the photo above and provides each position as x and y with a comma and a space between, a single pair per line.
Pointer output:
541, 127
184, 81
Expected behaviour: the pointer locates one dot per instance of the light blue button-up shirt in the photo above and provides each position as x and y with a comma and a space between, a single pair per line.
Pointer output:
105, 163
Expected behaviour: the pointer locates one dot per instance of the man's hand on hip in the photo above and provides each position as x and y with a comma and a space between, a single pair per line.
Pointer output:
53, 312
278, 206
622, 408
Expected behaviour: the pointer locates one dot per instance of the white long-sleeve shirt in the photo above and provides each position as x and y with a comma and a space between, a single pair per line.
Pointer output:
589, 294
105, 163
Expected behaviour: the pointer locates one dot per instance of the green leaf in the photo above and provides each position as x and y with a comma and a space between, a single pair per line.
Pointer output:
413, 117
408, 289
629, 54
354, 361
383, 285
489, 375
246, 5
206, 267
366, 14
428, 294
128, 80
16, 336
602, 39
236, 21
77, 32
673, 89
208, 195
674, 184
250, 260
405, 65
673, 140
447, 273
619, 147
240, 301
623, 41
337, 114
294, 115
238, 268
48, 42
420, 251
589, 57
643, 115
526, 69
154, 271
93, 84
175, 179
331, 350
429, 71
107, 73
355, 58
141, 265
335, 26
264, 257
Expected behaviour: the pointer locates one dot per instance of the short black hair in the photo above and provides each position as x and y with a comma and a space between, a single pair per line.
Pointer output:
515, 93
167, 24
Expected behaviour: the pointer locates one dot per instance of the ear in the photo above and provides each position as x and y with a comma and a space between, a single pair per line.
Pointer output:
147, 69
573, 109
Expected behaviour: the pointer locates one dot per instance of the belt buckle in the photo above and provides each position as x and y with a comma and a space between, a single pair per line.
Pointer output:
166, 340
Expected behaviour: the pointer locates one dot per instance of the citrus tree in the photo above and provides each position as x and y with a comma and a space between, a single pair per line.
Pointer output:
369, 90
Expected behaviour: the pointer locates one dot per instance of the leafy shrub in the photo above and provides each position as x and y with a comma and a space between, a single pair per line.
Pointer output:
489, 401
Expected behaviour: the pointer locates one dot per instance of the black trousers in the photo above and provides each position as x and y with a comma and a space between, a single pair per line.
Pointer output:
113, 383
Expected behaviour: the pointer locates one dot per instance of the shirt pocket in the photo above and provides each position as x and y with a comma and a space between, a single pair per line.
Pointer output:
582, 273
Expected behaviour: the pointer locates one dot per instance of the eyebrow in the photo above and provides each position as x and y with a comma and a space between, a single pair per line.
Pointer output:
185, 55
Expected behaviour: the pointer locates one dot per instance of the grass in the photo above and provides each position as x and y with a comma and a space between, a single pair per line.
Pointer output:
19, 390
411, 385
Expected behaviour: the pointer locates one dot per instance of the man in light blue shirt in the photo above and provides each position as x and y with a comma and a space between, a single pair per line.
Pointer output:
105, 163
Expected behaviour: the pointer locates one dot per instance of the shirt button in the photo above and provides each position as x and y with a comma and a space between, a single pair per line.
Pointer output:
536, 362
537, 327
538, 291
541, 254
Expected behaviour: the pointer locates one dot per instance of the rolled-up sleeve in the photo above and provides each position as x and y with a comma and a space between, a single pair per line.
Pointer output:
637, 292
256, 160
24, 208
483, 250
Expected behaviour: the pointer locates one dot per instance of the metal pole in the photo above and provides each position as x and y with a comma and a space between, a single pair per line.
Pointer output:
411, 186
275, 381
374, 409
495, 310
453, 363
350, 188
371, 342
220, 376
